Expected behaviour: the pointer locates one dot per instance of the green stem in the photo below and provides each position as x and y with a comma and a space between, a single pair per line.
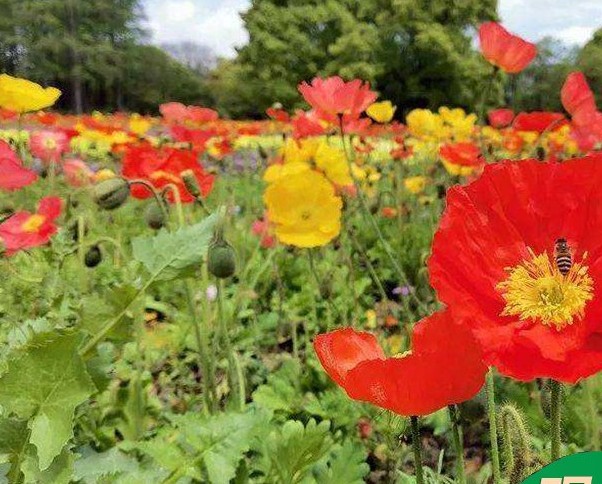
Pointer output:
417, 448
555, 418
495, 453
368, 215
318, 281
594, 418
454, 414
157, 196
225, 338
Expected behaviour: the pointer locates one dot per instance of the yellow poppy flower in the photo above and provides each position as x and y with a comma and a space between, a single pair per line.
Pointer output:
304, 209
278, 170
21, 95
381, 112
415, 184
331, 160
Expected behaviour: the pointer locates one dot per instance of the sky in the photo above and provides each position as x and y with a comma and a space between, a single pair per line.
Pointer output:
217, 24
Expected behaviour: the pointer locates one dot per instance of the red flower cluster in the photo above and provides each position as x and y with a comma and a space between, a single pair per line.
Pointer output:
413, 384
162, 167
505, 50
493, 262
500, 118
538, 121
174, 112
25, 230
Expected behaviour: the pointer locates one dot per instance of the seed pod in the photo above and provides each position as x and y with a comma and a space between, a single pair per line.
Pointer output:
191, 183
112, 193
154, 216
93, 256
221, 259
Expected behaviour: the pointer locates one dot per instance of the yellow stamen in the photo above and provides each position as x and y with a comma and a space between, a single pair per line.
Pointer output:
535, 289
33, 223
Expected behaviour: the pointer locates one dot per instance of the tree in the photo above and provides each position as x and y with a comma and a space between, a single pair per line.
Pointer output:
416, 52
590, 62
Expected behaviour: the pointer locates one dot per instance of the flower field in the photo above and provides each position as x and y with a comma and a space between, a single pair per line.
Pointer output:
328, 296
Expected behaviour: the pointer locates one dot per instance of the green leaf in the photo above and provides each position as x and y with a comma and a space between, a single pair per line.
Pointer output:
290, 452
169, 255
93, 465
13, 440
347, 465
59, 471
44, 384
282, 391
213, 447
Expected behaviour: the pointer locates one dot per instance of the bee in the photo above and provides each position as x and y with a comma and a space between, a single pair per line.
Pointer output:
563, 256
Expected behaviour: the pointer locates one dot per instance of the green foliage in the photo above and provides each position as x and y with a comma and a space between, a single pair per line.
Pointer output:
415, 53
590, 62
205, 448
92, 466
169, 255
44, 385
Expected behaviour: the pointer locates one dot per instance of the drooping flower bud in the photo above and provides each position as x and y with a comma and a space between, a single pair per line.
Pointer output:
154, 216
93, 256
191, 183
112, 193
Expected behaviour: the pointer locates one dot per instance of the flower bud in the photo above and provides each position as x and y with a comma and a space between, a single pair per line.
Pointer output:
221, 259
93, 256
154, 216
112, 193
191, 183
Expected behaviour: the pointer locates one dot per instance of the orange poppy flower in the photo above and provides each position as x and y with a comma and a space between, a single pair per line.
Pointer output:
413, 384
505, 50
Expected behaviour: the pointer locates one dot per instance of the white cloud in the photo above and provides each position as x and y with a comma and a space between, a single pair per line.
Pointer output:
573, 22
214, 23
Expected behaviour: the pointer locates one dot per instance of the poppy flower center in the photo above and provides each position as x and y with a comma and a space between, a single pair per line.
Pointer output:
33, 223
536, 289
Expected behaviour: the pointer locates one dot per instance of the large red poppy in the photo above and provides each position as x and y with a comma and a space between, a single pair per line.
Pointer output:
505, 50
162, 167
13, 175
444, 367
333, 96
493, 261
25, 230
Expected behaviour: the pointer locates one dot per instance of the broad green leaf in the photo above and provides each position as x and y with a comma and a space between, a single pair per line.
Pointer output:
93, 465
169, 255
281, 392
59, 471
44, 384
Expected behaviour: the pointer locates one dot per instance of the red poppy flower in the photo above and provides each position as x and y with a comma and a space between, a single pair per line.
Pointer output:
198, 114
25, 230
443, 368
578, 99
493, 260
333, 96
537, 121
49, 145
500, 118
278, 114
197, 138
162, 167
306, 124
174, 112
462, 154
13, 175
505, 50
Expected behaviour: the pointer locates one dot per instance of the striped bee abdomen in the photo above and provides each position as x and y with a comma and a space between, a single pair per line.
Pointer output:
563, 256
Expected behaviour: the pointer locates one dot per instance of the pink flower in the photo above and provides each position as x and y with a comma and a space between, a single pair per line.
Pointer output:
25, 230
49, 146
13, 175
333, 96
77, 173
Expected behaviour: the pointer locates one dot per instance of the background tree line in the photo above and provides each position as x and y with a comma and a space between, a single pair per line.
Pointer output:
417, 53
